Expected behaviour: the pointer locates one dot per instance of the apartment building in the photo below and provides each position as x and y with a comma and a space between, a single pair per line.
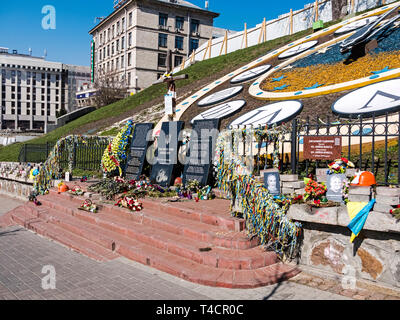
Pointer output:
131, 44
33, 90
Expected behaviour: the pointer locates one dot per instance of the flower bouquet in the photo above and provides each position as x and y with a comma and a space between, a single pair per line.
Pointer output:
130, 203
339, 166
298, 199
396, 212
89, 206
77, 191
315, 194
205, 193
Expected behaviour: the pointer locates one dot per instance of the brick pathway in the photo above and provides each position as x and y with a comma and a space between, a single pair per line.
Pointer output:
23, 254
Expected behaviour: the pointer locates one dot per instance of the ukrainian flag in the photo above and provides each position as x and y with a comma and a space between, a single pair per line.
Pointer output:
358, 213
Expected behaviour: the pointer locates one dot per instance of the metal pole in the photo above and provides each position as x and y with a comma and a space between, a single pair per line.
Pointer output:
293, 146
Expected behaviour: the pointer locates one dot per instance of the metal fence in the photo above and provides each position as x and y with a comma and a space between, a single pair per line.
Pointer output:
85, 156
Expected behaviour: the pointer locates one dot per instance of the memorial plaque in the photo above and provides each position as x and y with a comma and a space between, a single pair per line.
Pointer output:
335, 187
201, 151
322, 147
272, 182
166, 155
137, 154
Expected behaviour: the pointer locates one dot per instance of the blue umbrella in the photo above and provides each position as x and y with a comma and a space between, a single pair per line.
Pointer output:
357, 223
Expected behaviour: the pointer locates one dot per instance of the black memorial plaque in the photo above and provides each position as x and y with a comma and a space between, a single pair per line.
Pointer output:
137, 154
201, 151
166, 155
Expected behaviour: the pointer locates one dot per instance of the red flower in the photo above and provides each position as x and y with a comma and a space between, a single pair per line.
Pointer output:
391, 211
345, 160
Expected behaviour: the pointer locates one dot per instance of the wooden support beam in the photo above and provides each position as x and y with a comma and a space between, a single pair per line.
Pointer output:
316, 11
291, 21
192, 57
245, 37
210, 47
265, 30
261, 32
224, 43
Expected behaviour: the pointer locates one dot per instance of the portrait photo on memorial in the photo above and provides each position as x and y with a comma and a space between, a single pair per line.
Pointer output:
272, 182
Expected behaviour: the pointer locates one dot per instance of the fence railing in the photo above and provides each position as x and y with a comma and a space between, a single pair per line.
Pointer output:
370, 143
85, 156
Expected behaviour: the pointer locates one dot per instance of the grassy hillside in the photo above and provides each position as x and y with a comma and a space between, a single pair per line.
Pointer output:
200, 70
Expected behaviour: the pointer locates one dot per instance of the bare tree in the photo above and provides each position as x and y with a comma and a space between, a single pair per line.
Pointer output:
338, 9
110, 87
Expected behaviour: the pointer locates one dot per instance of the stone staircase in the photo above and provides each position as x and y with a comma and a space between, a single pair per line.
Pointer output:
199, 242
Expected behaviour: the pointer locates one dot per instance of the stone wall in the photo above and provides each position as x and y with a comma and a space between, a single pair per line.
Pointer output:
374, 255
14, 179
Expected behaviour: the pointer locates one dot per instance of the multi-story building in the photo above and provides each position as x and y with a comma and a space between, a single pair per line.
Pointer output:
131, 44
33, 90
78, 76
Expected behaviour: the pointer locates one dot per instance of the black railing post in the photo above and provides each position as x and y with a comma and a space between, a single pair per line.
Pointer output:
293, 146
73, 156
386, 149
373, 142
361, 134
398, 150
25, 147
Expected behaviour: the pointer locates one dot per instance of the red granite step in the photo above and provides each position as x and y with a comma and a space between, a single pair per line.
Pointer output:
215, 212
176, 244
195, 230
63, 236
194, 272
166, 236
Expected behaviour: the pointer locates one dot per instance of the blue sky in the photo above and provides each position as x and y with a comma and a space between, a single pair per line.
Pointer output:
21, 23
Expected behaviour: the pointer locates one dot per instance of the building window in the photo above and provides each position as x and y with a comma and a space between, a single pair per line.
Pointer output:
117, 46
129, 78
162, 19
179, 23
122, 62
194, 44
129, 39
118, 26
178, 61
108, 51
129, 59
179, 42
130, 19
194, 25
123, 24
123, 43
112, 48
162, 40
162, 59
117, 63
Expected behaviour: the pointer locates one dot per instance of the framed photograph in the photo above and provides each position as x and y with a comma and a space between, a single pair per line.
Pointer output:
335, 187
272, 183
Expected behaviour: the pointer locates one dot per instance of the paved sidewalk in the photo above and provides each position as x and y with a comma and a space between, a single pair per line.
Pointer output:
23, 254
